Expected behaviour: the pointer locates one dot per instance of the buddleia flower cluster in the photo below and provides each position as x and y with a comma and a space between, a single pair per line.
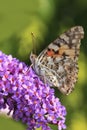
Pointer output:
28, 99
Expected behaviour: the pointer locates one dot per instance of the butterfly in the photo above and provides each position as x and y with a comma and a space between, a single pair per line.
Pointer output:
57, 65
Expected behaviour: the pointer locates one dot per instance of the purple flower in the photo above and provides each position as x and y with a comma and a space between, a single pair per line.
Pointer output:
31, 101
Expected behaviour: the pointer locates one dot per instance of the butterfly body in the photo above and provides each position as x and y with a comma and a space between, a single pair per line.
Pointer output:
57, 65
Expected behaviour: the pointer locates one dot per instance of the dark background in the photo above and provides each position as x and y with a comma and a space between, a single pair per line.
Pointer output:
46, 19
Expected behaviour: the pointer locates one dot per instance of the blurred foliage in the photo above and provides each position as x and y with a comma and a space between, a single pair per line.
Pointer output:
9, 124
46, 19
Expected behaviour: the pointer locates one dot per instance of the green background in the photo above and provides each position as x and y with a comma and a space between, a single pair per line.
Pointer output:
46, 19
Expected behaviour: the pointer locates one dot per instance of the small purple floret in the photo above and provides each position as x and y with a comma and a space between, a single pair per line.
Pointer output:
32, 101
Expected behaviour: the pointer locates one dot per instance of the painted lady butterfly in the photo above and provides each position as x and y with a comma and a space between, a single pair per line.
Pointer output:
57, 65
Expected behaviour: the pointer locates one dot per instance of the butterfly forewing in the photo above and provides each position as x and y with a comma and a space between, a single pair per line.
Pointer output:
58, 63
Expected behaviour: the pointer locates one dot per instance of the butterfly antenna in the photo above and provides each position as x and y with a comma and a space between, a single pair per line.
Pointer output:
33, 41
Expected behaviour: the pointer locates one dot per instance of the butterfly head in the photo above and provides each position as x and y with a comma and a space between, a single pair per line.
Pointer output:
32, 58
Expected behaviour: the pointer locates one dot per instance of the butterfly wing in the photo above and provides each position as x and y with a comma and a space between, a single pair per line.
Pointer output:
60, 59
